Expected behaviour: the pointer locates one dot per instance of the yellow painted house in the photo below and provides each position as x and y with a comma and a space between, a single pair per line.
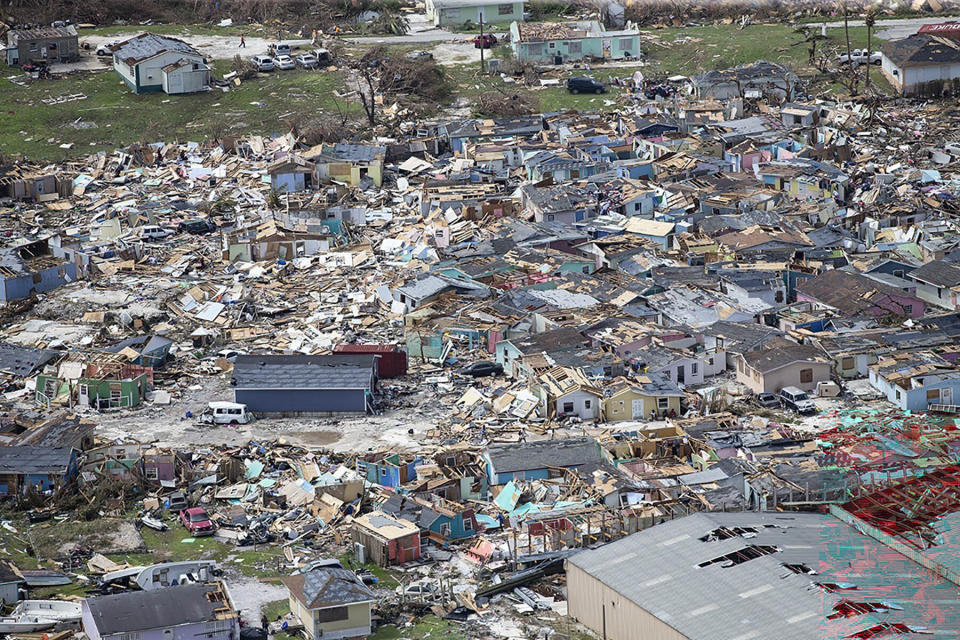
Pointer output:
331, 602
640, 397
348, 163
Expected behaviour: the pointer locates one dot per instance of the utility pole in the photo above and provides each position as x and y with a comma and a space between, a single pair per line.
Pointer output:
483, 44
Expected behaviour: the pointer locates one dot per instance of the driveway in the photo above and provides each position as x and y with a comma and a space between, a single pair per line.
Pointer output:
896, 29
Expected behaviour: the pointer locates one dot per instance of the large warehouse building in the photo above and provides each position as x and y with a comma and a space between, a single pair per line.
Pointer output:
746, 576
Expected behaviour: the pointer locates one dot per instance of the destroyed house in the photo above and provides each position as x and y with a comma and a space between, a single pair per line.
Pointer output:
386, 540
331, 602
917, 381
562, 42
32, 268
10, 582
25, 468
298, 384
23, 362
640, 397
387, 470
512, 352
37, 186
757, 575
438, 519
422, 290
40, 45
348, 163
147, 351
150, 63
106, 382
938, 282
291, 173
538, 460
183, 612
854, 295
760, 78
59, 430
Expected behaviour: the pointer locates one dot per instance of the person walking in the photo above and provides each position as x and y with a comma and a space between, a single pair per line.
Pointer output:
243, 42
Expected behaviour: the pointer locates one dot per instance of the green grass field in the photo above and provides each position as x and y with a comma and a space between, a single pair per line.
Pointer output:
112, 116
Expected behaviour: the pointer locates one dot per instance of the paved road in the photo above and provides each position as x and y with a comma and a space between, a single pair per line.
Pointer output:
896, 29
434, 35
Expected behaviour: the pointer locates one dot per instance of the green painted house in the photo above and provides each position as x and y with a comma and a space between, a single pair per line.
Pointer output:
443, 13
558, 43
98, 393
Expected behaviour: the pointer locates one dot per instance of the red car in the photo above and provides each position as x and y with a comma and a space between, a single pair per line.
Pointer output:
486, 41
197, 521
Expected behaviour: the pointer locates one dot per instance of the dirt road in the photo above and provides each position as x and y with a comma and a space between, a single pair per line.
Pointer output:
212, 47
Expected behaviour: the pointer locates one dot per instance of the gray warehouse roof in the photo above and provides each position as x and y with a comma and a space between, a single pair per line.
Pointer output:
678, 572
354, 371
22, 460
160, 609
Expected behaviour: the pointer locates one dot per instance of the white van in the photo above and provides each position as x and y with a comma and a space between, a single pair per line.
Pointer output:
153, 232
225, 413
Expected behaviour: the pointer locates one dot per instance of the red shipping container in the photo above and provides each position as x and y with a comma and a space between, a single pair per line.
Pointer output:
392, 362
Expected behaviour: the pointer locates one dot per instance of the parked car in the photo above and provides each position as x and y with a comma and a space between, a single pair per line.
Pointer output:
197, 521
177, 502
585, 85
263, 63
768, 400
486, 41
278, 49
284, 63
307, 61
860, 56
153, 232
420, 55
197, 227
420, 590
797, 400
105, 49
224, 413
482, 369
230, 355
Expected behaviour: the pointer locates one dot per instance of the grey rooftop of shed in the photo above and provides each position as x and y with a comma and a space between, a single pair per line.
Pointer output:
354, 371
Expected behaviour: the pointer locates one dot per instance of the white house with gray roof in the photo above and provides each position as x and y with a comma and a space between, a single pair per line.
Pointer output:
150, 63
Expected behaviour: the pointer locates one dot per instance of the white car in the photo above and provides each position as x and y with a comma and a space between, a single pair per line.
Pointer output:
153, 232
263, 63
420, 590
105, 50
860, 56
285, 63
307, 61
230, 355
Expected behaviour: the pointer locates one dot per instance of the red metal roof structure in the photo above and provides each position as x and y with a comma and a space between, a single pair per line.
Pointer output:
946, 30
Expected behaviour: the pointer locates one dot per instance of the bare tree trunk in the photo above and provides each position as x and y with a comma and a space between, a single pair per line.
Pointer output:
846, 33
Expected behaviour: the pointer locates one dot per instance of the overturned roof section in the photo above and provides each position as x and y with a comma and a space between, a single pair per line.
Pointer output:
164, 608
22, 361
148, 45
41, 460
545, 453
